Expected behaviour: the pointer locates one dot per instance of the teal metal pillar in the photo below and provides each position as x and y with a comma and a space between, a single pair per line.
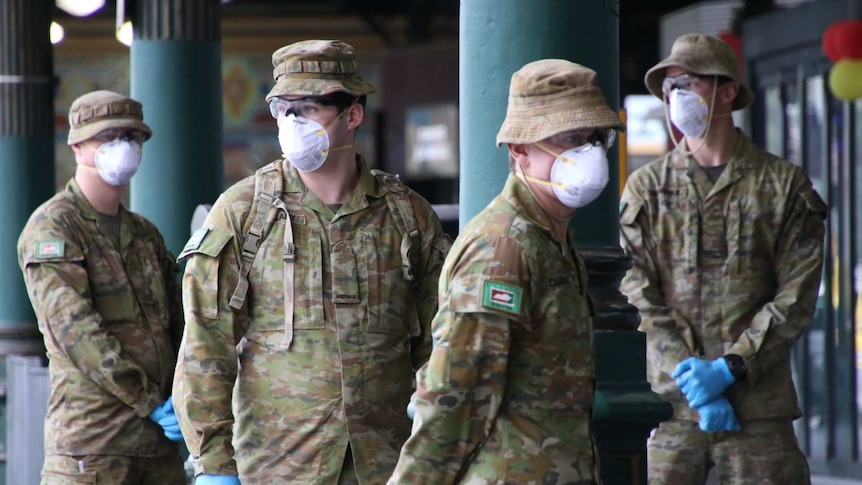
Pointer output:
497, 37
27, 153
176, 74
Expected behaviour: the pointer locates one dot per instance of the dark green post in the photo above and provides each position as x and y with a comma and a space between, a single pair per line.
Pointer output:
497, 38
176, 74
27, 152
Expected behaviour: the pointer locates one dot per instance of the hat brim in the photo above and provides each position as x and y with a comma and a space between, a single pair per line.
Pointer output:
526, 128
655, 76
296, 86
84, 133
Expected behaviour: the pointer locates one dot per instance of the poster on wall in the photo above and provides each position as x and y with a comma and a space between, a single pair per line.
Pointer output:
431, 141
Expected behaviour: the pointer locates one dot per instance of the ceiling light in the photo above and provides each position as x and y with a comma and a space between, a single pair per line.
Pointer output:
125, 33
56, 32
80, 8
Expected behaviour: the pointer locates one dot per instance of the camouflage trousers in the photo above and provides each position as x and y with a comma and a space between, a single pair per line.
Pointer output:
113, 470
765, 452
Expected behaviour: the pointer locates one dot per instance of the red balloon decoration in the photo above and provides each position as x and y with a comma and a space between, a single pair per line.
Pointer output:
842, 44
830, 40
734, 41
848, 40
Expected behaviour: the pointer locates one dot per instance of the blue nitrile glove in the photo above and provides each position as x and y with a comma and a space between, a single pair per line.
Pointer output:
717, 416
162, 410
172, 428
411, 408
165, 417
217, 480
702, 381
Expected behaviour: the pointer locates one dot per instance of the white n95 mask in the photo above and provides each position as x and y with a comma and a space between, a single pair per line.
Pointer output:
117, 161
578, 175
304, 142
688, 112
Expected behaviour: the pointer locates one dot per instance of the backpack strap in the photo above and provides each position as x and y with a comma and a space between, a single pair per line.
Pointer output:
398, 200
268, 185
289, 256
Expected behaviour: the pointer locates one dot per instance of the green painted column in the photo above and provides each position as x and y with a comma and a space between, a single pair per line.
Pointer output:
176, 74
497, 38
27, 153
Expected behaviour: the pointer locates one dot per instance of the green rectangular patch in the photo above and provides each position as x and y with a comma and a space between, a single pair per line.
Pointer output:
501, 296
53, 248
196, 239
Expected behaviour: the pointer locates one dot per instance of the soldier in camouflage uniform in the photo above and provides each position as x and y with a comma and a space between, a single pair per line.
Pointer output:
727, 242
507, 395
105, 291
309, 295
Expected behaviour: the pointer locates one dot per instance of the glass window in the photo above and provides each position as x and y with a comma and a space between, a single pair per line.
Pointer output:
815, 133
856, 217
774, 121
793, 123
816, 162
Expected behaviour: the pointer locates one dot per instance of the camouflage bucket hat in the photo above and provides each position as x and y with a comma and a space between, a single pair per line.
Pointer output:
705, 55
317, 68
552, 96
97, 111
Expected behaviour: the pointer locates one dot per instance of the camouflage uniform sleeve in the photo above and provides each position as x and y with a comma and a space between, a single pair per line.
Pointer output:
170, 270
460, 389
435, 246
642, 285
207, 364
59, 291
798, 267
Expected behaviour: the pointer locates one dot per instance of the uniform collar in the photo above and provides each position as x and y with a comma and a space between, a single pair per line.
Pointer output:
128, 224
740, 158
518, 194
85, 209
368, 186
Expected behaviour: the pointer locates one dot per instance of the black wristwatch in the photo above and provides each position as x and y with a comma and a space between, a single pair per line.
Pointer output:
736, 365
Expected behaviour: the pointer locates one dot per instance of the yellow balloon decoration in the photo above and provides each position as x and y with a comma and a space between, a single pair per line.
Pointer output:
845, 79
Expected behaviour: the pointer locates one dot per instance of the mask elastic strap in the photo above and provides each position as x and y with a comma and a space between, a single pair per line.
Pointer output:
549, 183
342, 147
559, 156
520, 174
551, 152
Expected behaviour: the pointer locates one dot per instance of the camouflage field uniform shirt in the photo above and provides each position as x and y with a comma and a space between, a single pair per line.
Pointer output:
507, 394
111, 321
729, 268
348, 373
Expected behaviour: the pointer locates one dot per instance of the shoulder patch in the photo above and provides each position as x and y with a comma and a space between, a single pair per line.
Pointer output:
196, 239
52, 248
501, 296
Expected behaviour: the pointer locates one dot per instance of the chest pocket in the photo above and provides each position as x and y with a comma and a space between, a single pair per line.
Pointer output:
144, 266
388, 290
111, 288
749, 246
308, 278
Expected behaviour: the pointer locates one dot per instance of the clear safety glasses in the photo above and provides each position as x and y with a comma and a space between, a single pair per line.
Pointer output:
686, 82
112, 134
583, 140
310, 107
